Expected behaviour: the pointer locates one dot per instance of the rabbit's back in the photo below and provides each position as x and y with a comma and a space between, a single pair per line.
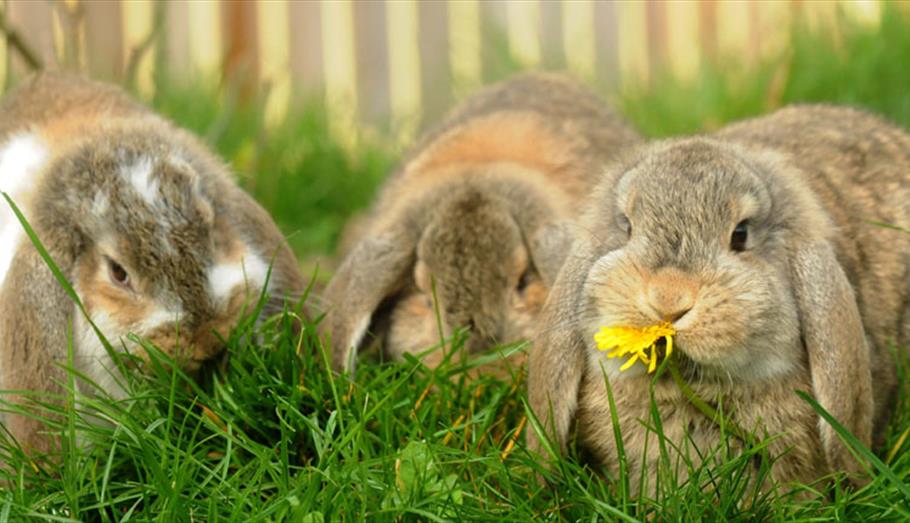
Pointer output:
547, 123
562, 105
63, 100
854, 160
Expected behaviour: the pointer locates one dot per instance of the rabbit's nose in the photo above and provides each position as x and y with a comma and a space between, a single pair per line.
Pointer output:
671, 294
672, 313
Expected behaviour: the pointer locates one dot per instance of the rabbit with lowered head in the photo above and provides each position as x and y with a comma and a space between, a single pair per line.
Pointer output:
757, 243
143, 221
471, 219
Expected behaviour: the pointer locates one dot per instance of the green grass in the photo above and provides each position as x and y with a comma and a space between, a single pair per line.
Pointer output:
270, 435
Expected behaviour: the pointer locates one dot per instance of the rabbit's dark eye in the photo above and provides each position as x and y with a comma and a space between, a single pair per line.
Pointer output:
740, 236
524, 281
117, 273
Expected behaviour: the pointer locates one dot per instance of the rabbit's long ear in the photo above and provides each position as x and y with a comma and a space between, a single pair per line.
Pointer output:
557, 357
549, 245
34, 313
374, 270
835, 340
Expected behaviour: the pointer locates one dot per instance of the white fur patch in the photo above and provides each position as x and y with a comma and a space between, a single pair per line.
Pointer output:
156, 319
140, 176
359, 332
92, 359
224, 278
21, 157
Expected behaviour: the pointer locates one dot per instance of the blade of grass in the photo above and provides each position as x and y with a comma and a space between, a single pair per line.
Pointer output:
55, 270
859, 450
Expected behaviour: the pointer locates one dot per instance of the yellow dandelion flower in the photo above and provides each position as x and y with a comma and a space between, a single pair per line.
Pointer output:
638, 343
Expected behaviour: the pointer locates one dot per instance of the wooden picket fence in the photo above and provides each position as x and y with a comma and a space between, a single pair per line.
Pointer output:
391, 63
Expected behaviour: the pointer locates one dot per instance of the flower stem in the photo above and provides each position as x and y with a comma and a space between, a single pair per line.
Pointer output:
706, 409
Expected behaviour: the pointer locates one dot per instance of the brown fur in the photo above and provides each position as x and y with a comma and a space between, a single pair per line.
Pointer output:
812, 303
85, 211
474, 218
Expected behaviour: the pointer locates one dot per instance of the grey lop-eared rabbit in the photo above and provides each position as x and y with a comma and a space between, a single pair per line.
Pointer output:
474, 212
758, 243
144, 222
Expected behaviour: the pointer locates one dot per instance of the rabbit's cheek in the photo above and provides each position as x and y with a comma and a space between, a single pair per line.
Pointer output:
127, 313
615, 297
747, 329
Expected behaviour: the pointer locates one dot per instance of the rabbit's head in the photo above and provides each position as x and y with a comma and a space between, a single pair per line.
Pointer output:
701, 235
730, 245
477, 254
473, 269
150, 247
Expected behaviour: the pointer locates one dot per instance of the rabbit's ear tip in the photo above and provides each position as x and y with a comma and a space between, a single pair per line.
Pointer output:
347, 351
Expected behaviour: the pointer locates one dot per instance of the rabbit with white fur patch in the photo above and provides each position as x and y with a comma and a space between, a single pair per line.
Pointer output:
758, 244
144, 222
471, 220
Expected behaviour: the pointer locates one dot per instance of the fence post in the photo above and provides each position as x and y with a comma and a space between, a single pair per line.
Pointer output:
435, 66
104, 39
305, 20
372, 62
32, 21
241, 51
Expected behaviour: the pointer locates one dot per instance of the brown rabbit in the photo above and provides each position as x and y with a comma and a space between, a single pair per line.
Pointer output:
472, 218
144, 222
758, 244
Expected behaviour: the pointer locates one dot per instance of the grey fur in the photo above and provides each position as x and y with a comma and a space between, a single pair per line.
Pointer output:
812, 303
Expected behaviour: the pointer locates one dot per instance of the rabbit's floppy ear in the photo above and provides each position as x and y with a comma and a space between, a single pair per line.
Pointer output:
34, 313
549, 245
375, 269
557, 358
839, 359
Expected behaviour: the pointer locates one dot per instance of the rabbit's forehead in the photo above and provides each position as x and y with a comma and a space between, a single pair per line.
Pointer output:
169, 226
165, 184
484, 242
154, 196
705, 189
